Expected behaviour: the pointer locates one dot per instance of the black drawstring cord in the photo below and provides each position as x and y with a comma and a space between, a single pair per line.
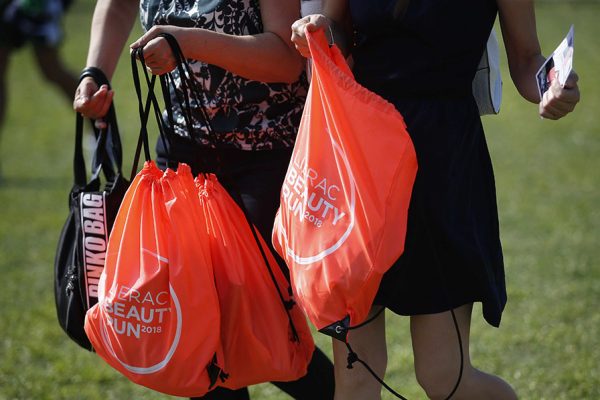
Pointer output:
454, 320
353, 357
460, 372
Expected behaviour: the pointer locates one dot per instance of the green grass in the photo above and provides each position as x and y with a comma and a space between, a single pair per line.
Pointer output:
547, 179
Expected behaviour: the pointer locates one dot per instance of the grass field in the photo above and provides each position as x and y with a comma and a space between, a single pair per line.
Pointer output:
548, 187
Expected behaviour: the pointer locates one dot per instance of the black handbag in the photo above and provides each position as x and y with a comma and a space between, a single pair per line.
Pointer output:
93, 206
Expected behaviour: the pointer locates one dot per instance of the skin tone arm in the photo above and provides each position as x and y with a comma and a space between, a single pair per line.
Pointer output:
336, 14
266, 57
517, 20
111, 26
272, 55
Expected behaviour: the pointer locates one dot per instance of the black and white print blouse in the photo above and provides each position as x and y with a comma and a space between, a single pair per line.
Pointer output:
243, 114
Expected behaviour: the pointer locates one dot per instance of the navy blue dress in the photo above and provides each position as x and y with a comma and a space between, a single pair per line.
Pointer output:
423, 59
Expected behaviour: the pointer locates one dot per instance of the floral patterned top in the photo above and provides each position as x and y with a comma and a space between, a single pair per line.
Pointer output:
242, 113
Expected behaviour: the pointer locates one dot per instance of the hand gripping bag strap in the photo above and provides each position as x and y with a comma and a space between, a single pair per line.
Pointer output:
113, 148
80, 251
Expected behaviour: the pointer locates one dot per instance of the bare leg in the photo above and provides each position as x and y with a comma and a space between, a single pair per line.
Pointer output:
54, 70
369, 343
437, 359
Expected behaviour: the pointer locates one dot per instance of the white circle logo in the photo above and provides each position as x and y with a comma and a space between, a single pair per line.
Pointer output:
303, 259
161, 364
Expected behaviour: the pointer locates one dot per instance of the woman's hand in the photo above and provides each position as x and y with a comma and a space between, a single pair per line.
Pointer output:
93, 102
157, 52
310, 23
559, 101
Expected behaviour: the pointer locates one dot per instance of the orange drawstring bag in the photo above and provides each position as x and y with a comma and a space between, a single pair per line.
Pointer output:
344, 203
157, 318
265, 336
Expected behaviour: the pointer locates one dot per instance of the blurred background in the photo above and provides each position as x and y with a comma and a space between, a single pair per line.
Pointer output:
549, 200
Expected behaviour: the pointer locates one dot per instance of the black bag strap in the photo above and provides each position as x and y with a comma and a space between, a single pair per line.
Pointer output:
108, 155
190, 87
144, 111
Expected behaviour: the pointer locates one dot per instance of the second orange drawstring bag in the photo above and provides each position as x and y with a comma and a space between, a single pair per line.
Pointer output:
265, 336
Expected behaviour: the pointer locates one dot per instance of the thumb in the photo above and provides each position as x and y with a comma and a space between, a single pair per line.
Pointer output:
84, 93
571, 81
145, 38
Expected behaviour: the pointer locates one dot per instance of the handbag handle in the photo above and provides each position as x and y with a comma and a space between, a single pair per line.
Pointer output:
108, 153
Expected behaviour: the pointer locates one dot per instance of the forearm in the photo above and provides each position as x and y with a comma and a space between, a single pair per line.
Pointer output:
111, 25
517, 20
523, 73
263, 57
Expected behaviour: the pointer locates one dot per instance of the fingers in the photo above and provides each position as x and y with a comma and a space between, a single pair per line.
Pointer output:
157, 53
559, 101
572, 80
310, 23
91, 101
146, 37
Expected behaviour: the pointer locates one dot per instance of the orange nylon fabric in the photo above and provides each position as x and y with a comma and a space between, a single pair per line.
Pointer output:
157, 320
344, 202
258, 342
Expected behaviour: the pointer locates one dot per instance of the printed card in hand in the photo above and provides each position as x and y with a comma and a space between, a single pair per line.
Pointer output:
558, 65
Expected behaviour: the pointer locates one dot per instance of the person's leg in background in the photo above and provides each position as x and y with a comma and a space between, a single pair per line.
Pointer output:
53, 69
369, 343
437, 359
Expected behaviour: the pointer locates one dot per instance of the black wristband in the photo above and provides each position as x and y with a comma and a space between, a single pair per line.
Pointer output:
96, 74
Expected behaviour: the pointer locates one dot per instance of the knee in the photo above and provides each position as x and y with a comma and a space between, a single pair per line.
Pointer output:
438, 381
